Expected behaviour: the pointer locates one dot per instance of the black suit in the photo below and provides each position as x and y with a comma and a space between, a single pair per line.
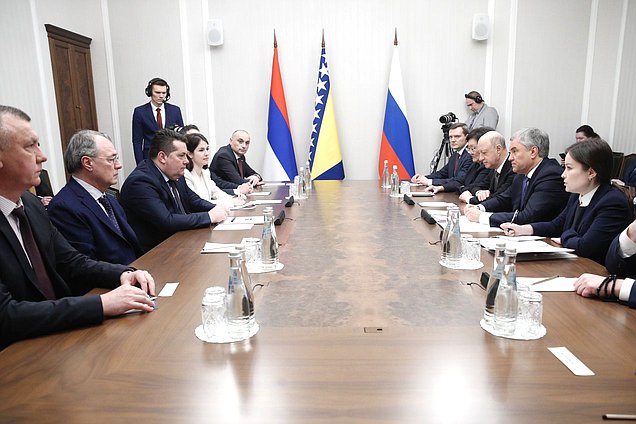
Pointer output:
448, 173
225, 166
604, 218
24, 310
498, 185
544, 199
151, 209
622, 267
476, 179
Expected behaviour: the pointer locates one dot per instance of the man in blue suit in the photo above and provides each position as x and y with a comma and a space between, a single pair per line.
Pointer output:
153, 116
620, 261
458, 163
42, 277
156, 198
536, 194
88, 217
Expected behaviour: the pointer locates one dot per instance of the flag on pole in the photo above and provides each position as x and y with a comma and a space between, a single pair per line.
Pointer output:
325, 158
280, 161
396, 135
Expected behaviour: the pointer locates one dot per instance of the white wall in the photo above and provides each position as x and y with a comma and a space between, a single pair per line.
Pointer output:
549, 64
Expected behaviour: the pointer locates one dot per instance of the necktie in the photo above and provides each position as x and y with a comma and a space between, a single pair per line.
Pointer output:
496, 180
109, 211
524, 187
33, 252
177, 198
456, 164
578, 215
159, 120
240, 166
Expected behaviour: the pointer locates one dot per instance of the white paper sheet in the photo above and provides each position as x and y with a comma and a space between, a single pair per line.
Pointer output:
568, 359
536, 246
559, 284
260, 193
218, 247
233, 227
256, 220
266, 202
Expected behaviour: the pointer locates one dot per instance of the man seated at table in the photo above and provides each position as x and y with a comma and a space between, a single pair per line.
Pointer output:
156, 198
476, 176
229, 165
621, 263
88, 217
494, 156
41, 274
536, 194
458, 163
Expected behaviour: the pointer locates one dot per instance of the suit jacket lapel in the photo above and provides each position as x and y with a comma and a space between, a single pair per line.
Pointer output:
15, 245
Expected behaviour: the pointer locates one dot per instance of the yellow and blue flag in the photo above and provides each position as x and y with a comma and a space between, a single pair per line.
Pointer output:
325, 158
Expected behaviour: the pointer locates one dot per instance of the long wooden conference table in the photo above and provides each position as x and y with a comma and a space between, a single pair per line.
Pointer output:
361, 325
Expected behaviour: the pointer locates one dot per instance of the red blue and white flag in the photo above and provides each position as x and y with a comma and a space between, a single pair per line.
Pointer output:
396, 135
280, 160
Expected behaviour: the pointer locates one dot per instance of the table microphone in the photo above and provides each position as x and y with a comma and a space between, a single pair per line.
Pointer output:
280, 217
427, 217
289, 202
408, 200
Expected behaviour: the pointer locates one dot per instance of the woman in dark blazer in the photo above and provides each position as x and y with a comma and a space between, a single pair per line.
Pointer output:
596, 212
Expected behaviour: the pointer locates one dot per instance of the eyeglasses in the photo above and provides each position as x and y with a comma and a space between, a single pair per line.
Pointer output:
110, 159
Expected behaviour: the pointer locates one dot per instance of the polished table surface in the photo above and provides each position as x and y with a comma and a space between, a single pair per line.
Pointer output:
361, 325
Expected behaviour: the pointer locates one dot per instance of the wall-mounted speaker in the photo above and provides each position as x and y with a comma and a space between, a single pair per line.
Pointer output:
215, 32
481, 27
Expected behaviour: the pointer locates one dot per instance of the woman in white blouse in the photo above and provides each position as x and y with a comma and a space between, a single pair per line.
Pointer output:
197, 174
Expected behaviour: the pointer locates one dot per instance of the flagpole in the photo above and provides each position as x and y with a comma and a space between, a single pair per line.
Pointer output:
395, 43
275, 43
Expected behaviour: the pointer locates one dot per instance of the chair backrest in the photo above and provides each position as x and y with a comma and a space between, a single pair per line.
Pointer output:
629, 162
617, 164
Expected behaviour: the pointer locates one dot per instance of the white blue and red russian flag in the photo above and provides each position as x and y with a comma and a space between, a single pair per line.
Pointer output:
396, 135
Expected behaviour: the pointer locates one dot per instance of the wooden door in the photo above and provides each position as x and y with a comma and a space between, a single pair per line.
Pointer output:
73, 80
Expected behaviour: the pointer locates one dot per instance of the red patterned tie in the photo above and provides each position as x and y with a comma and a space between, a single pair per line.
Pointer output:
159, 120
33, 252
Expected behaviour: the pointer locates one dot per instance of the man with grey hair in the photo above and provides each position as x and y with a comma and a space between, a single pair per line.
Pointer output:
89, 218
537, 192
41, 274
493, 154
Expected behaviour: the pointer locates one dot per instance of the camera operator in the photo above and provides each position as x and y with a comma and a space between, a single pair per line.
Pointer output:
482, 115
458, 163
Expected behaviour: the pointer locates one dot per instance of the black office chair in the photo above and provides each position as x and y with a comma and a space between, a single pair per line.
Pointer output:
617, 158
629, 162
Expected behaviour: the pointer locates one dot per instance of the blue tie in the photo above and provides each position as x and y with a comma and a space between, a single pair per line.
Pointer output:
524, 188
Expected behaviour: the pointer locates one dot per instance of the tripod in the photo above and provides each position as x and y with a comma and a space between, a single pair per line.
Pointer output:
444, 149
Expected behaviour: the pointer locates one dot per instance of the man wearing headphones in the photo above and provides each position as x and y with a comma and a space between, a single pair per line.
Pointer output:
153, 116
482, 115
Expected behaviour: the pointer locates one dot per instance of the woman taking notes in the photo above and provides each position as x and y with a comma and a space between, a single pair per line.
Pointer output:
197, 174
596, 212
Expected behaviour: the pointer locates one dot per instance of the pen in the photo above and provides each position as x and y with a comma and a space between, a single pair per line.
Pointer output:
543, 280
514, 215
630, 417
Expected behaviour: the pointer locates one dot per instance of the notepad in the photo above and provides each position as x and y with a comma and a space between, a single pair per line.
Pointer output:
218, 247
233, 227
260, 193
559, 284
257, 219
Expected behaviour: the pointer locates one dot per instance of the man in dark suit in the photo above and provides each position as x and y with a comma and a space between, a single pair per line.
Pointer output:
494, 156
229, 165
476, 177
458, 163
153, 116
88, 217
536, 194
40, 272
620, 261
156, 198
